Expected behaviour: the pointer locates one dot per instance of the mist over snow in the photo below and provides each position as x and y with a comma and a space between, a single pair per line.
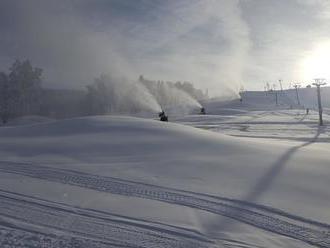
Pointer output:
119, 95
178, 101
217, 45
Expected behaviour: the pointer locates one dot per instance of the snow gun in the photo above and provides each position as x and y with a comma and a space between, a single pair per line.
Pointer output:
163, 116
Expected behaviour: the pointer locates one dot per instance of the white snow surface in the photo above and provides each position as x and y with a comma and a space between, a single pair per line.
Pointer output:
255, 178
28, 120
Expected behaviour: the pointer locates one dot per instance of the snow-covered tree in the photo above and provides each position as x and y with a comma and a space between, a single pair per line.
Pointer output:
25, 82
4, 97
99, 98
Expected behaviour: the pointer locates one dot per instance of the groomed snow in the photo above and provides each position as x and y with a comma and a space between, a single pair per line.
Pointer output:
103, 163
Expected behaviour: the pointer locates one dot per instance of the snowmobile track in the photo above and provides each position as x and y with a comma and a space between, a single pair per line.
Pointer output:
263, 217
78, 227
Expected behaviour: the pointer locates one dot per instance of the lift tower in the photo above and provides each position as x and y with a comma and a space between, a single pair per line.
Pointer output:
318, 83
297, 86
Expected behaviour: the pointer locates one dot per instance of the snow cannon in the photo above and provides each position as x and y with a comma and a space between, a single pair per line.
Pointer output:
202, 111
163, 116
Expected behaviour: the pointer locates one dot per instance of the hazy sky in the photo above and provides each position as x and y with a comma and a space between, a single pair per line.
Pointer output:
213, 43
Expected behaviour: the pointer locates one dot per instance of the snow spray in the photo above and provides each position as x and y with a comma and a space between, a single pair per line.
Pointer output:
177, 101
144, 98
126, 96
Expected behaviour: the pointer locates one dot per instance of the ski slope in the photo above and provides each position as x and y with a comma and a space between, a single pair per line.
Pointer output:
111, 181
285, 124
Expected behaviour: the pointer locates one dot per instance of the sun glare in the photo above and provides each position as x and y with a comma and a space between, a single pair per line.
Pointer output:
317, 62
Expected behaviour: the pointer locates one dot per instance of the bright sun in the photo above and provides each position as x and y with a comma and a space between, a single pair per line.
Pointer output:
317, 62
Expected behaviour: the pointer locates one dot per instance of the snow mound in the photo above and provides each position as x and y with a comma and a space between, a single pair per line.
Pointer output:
170, 173
28, 120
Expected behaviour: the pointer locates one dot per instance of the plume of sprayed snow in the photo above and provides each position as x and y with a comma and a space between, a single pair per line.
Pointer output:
216, 56
72, 40
128, 96
172, 99
143, 99
175, 100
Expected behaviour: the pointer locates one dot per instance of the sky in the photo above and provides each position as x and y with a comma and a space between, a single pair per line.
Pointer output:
218, 45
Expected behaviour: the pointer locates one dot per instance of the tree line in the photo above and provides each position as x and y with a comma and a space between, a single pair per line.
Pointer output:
20, 90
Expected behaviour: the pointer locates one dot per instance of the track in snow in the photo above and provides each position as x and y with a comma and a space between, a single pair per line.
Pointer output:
21, 238
263, 217
77, 227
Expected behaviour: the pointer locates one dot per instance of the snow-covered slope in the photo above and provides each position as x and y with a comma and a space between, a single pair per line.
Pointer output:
292, 124
124, 181
27, 120
306, 98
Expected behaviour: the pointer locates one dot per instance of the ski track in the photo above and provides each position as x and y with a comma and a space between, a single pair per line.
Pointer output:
20, 238
263, 217
20, 214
